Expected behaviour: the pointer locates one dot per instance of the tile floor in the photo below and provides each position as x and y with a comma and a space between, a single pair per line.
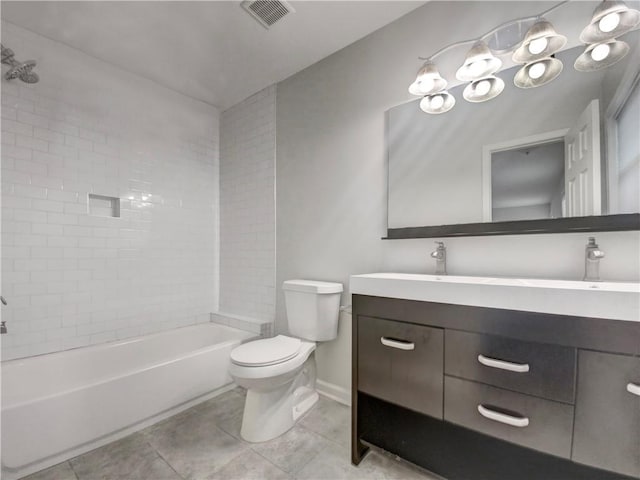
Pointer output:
204, 443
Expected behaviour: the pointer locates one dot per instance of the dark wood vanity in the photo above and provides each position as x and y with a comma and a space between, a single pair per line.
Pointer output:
479, 393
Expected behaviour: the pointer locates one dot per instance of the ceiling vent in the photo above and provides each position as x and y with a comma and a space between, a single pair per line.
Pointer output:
267, 12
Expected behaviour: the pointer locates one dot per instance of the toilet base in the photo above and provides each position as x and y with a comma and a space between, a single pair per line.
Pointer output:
268, 414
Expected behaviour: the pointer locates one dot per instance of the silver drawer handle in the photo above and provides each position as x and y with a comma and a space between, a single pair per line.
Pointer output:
520, 422
502, 365
633, 388
400, 344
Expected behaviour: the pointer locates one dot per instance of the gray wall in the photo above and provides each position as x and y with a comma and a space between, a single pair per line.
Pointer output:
331, 174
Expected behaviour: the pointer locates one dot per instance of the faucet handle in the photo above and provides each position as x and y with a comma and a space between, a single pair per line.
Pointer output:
440, 244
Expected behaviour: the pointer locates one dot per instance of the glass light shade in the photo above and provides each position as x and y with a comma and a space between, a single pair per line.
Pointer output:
427, 81
611, 18
483, 89
593, 57
479, 63
436, 103
536, 74
540, 41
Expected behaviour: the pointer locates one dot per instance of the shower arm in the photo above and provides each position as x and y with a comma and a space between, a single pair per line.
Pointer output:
8, 57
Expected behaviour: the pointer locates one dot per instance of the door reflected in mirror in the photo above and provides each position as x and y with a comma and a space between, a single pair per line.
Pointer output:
527, 183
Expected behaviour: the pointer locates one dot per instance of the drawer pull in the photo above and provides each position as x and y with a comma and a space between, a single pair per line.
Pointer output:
394, 343
519, 422
633, 388
502, 365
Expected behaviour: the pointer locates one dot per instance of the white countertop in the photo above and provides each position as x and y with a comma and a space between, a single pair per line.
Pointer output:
611, 300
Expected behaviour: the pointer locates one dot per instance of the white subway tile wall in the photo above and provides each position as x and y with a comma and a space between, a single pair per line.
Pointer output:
247, 207
73, 279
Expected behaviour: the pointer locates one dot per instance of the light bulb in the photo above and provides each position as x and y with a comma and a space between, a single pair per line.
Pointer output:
609, 22
600, 52
437, 101
537, 70
538, 45
477, 68
425, 84
483, 87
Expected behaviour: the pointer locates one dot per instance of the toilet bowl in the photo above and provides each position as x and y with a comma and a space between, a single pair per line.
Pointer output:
279, 373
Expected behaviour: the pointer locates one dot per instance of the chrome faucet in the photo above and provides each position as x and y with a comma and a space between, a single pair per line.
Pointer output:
440, 254
592, 256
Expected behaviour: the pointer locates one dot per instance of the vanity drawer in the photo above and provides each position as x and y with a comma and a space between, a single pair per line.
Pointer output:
539, 369
401, 363
533, 422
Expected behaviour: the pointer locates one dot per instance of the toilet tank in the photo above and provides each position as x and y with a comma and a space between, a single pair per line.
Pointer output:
313, 309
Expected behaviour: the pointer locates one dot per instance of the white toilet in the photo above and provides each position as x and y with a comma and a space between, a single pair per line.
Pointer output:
279, 373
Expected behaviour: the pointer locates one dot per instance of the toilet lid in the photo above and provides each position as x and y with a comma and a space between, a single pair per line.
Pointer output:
268, 351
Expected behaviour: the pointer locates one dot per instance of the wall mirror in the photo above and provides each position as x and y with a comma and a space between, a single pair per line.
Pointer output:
508, 165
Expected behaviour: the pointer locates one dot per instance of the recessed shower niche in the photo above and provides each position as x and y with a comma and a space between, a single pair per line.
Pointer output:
103, 206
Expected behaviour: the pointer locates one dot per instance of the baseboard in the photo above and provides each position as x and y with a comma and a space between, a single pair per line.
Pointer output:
334, 392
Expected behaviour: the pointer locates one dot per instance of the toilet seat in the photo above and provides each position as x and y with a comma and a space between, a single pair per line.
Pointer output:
265, 352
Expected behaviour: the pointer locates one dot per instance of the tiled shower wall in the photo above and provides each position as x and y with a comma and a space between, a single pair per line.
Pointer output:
73, 278
247, 207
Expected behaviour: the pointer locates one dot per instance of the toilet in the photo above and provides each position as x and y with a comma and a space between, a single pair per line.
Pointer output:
279, 373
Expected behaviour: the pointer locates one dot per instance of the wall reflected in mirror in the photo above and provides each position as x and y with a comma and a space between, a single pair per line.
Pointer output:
521, 156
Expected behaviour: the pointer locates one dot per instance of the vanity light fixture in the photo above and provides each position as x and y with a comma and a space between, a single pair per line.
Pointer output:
479, 63
427, 81
483, 89
611, 18
536, 74
440, 102
538, 46
601, 55
540, 41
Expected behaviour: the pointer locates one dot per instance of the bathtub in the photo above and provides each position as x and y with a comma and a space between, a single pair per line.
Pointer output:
59, 405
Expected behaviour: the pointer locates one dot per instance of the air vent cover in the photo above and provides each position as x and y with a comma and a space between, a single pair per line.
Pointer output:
267, 12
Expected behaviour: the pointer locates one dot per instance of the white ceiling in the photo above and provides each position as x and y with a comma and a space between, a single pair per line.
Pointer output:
209, 50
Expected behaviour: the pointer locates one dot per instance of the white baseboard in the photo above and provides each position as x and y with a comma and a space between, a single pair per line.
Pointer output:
334, 392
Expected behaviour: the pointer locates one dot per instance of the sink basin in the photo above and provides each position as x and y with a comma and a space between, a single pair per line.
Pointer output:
613, 300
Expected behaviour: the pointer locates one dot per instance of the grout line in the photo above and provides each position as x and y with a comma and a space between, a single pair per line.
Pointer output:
289, 474
165, 460
73, 470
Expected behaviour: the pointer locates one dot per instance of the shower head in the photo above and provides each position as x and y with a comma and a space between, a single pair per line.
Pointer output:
23, 71
29, 77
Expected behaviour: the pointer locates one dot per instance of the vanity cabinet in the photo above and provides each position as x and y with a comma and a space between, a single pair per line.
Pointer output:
607, 422
402, 363
476, 392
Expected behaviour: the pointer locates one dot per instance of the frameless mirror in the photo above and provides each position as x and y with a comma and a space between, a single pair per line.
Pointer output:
567, 149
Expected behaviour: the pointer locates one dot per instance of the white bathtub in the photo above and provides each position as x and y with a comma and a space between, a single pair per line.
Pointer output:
59, 405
